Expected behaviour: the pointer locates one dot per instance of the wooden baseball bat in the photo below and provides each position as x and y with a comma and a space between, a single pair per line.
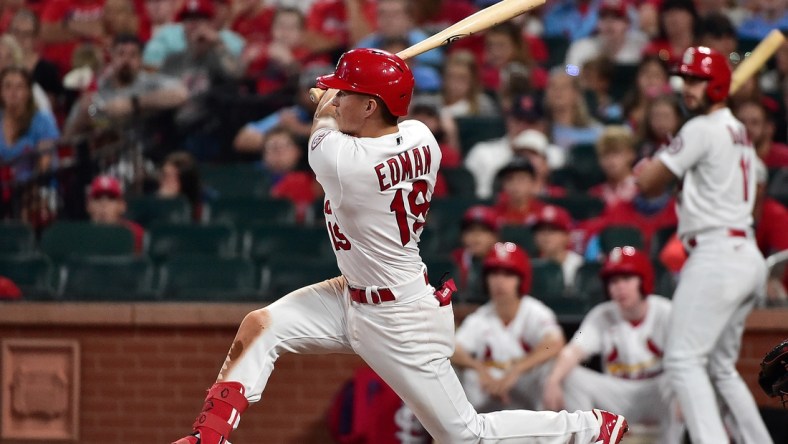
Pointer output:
758, 57
481, 20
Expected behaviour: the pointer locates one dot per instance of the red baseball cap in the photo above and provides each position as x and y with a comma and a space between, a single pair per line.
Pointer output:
8, 289
105, 186
553, 216
616, 8
196, 9
480, 215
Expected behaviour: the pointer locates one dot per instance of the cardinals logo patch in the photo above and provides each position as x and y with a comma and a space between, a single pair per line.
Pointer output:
318, 137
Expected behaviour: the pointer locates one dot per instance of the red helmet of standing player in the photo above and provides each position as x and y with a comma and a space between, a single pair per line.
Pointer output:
707, 64
374, 72
510, 257
629, 261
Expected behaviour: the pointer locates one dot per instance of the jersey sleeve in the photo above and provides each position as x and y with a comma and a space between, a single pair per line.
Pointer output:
542, 323
589, 336
325, 146
468, 334
686, 149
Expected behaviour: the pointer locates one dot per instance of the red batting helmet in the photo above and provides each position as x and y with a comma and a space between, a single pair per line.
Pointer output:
707, 64
628, 260
510, 257
374, 72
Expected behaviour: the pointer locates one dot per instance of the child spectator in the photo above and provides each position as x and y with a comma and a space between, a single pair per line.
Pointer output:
517, 203
551, 228
662, 120
567, 112
106, 205
479, 233
616, 153
533, 146
462, 93
651, 81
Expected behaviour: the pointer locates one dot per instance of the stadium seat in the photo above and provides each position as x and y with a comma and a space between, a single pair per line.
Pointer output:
169, 240
66, 239
588, 285
472, 130
266, 242
778, 187
557, 47
664, 282
16, 237
283, 275
567, 309
548, 279
148, 210
445, 217
582, 160
109, 278
563, 177
579, 206
234, 180
208, 278
245, 211
619, 236
520, 235
32, 273
460, 182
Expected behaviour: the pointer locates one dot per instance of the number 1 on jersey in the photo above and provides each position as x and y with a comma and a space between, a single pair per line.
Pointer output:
397, 207
745, 171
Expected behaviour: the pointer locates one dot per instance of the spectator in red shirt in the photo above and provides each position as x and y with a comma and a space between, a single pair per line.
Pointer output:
479, 234
333, 25
533, 145
106, 205
436, 15
517, 202
616, 153
66, 23
551, 229
662, 120
252, 19
760, 128
678, 30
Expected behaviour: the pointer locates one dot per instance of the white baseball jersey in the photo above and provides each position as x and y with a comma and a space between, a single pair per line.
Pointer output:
629, 350
717, 162
378, 192
483, 334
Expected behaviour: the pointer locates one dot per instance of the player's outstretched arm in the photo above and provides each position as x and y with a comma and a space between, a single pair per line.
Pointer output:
570, 357
324, 114
653, 177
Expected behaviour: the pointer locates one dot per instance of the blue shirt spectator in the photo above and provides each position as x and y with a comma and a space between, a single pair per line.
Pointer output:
758, 26
23, 152
564, 18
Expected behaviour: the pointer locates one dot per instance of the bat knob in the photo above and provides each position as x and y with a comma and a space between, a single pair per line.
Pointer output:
315, 94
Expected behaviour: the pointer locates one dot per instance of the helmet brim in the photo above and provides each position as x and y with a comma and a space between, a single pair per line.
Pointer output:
333, 82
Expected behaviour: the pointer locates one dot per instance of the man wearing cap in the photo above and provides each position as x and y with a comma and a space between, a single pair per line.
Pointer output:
517, 204
486, 158
614, 38
106, 205
551, 228
479, 234
534, 146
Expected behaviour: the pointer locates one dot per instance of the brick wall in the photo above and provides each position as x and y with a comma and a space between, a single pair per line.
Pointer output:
145, 367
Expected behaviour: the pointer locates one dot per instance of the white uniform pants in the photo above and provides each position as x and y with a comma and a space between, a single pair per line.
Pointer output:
717, 289
408, 342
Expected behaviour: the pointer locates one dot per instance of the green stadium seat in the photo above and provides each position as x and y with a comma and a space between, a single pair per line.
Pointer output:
520, 235
619, 236
445, 218
460, 182
283, 275
582, 160
169, 240
149, 210
472, 130
266, 242
245, 211
579, 206
32, 273
588, 285
16, 237
208, 278
567, 309
235, 180
557, 47
548, 279
66, 239
562, 177
108, 278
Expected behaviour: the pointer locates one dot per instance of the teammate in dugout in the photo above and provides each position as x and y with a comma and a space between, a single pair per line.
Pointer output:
629, 333
725, 273
378, 176
507, 345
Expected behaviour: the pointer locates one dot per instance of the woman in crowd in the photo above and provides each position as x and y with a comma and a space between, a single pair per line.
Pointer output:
661, 122
462, 92
179, 177
651, 81
570, 122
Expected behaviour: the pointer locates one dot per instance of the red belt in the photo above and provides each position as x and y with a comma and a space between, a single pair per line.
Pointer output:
359, 295
693, 242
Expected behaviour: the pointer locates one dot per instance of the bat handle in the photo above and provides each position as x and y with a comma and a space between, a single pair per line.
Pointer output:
315, 94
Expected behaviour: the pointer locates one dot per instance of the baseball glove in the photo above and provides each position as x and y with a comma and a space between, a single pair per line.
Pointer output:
773, 377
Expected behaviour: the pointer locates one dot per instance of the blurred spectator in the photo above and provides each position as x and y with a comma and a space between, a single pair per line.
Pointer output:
179, 177
335, 25
462, 92
769, 14
750, 91
718, 33
11, 55
573, 19
444, 129
297, 118
735, 11
479, 233
596, 77
614, 39
517, 203
773, 80
486, 158
434, 16
567, 112
66, 23
120, 18
25, 27
616, 152
651, 81
662, 120
551, 229
158, 13
252, 20
427, 78
678, 30
9, 291
506, 55
532, 145
106, 205
760, 129
206, 67
172, 38
8, 9
125, 91
648, 17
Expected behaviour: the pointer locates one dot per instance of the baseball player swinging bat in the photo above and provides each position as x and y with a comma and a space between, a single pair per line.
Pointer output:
758, 57
481, 20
